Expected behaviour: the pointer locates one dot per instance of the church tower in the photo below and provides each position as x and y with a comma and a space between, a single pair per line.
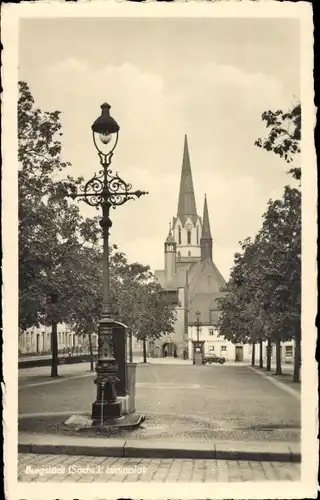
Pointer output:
206, 238
187, 224
170, 256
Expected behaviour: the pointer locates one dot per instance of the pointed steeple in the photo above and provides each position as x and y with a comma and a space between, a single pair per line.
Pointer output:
187, 202
206, 238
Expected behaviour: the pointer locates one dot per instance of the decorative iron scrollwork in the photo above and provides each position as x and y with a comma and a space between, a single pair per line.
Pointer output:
106, 187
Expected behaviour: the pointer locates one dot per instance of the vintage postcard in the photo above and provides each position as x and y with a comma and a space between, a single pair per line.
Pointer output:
159, 230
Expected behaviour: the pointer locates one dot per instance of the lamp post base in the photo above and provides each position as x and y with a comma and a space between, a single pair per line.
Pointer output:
102, 411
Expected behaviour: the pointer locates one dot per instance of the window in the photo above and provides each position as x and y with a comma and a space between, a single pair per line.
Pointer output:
179, 235
189, 237
179, 255
288, 351
211, 331
59, 338
211, 348
189, 254
223, 348
197, 235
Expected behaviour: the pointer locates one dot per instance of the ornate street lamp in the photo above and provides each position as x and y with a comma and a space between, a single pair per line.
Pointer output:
198, 344
198, 325
106, 190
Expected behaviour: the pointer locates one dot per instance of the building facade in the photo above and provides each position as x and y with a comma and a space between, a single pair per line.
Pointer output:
37, 341
213, 343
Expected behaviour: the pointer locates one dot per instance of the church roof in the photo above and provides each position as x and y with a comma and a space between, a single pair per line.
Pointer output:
178, 280
207, 305
205, 285
187, 201
204, 277
206, 230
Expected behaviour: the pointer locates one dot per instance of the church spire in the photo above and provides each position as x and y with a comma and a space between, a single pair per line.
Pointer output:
206, 238
187, 202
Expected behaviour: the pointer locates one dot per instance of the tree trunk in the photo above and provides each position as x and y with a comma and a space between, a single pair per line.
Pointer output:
253, 358
54, 349
91, 352
269, 347
297, 358
144, 342
261, 354
130, 346
278, 357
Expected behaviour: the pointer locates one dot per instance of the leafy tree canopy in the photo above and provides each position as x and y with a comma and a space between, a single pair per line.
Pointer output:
51, 230
284, 135
264, 297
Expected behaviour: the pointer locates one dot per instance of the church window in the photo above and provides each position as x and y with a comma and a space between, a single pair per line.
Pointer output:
197, 235
179, 235
189, 254
189, 237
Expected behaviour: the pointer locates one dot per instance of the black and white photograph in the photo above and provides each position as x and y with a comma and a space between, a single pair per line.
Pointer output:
160, 285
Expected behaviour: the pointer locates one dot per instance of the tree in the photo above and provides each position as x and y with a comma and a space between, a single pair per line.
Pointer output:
264, 299
284, 135
139, 301
51, 230
284, 140
282, 233
241, 306
157, 315
136, 298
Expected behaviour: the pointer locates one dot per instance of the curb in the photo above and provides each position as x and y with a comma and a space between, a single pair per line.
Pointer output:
273, 452
278, 383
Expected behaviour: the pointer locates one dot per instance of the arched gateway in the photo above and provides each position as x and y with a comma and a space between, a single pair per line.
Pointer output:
169, 350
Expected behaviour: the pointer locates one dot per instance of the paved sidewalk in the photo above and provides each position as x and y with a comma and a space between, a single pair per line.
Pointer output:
64, 468
131, 448
45, 371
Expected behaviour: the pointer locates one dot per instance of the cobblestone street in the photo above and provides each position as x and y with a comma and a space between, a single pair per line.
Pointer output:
180, 403
64, 468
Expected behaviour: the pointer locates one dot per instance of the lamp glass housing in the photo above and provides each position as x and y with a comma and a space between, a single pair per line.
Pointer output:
105, 129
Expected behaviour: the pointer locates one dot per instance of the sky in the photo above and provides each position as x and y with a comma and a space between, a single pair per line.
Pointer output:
209, 78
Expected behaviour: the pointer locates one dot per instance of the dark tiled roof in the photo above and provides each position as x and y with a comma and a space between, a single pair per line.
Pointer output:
204, 277
179, 279
207, 305
205, 285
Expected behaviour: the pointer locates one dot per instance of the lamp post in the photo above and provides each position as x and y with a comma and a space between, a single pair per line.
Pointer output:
198, 344
106, 190
198, 325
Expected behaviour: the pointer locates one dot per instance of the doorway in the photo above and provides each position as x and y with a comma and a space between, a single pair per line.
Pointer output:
239, 353
169, 350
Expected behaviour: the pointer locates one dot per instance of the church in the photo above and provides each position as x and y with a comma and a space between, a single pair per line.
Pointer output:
189, 276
